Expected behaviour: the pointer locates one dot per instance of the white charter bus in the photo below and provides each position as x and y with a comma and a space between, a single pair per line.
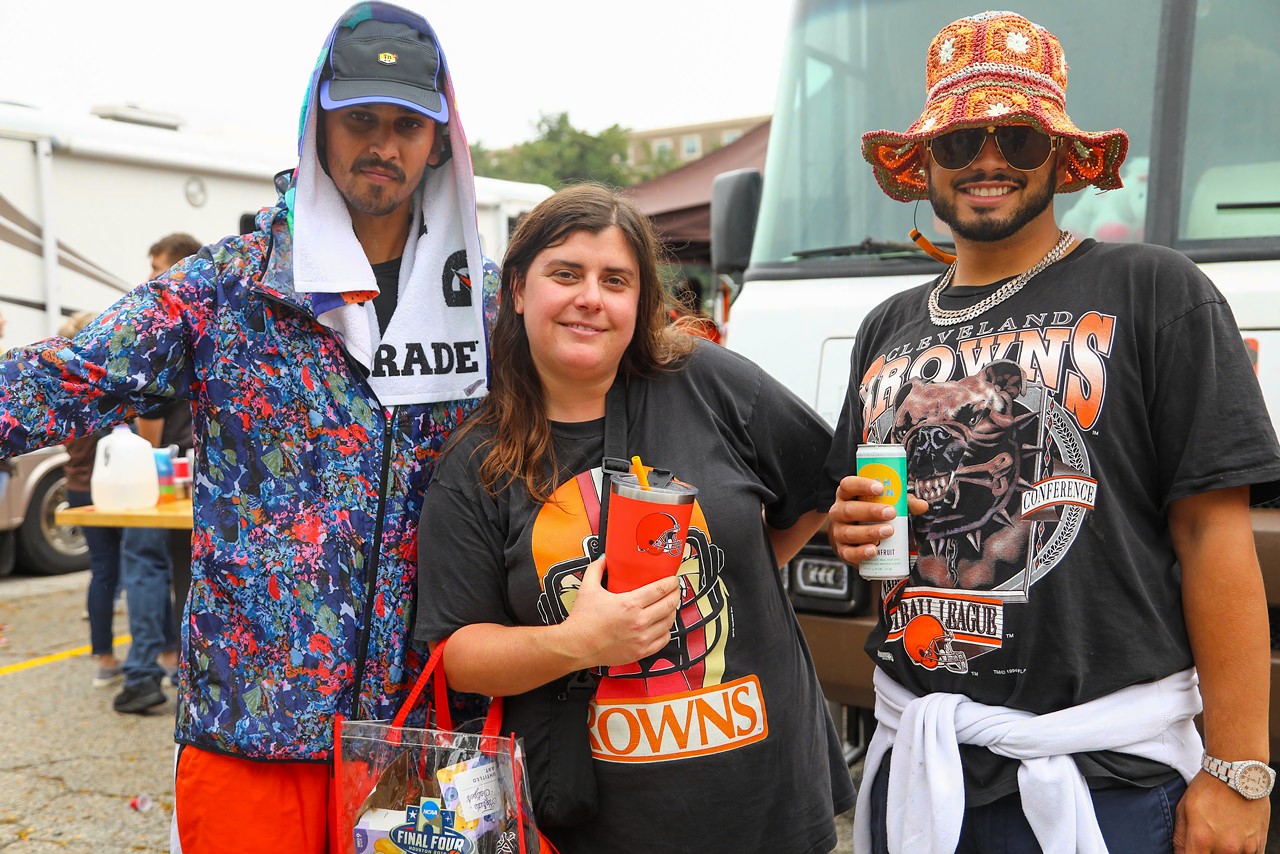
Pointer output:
1193, 82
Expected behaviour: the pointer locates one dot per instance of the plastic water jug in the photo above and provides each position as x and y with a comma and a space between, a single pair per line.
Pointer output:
124, 473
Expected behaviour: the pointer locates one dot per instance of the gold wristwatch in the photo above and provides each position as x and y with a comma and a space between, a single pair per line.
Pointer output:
1250, 778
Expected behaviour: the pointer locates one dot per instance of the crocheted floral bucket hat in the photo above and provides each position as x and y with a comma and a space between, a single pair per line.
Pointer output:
996, 67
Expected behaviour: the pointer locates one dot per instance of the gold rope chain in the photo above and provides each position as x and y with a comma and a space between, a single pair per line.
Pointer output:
945, 317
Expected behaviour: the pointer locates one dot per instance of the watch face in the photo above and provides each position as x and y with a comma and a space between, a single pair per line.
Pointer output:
1254, 780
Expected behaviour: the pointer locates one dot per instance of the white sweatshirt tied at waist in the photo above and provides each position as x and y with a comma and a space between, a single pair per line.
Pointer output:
926, 784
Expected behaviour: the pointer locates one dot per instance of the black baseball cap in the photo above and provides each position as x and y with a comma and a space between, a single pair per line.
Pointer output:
380, 62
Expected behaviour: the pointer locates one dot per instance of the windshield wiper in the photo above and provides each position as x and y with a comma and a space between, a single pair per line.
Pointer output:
869, 246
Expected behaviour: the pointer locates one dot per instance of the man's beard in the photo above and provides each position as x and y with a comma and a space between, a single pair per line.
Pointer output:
984, 227
375, 200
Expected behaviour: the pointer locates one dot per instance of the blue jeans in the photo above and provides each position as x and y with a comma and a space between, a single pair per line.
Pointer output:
104, 577
1132, 819
147, 574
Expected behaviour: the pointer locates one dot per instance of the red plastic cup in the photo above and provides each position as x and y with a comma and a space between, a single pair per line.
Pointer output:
646, 531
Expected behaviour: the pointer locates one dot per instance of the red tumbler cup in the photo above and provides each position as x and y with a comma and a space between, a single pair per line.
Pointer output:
646, 531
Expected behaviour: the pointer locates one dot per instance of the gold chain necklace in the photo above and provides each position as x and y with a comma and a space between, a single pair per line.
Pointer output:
945, 317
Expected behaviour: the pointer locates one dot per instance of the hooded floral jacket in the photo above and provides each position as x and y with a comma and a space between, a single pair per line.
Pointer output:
307, 490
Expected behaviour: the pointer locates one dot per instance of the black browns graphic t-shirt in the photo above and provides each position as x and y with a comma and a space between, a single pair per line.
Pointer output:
724, 735
1049, 436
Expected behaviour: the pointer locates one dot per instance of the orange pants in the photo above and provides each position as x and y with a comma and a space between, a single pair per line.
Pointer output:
226, 805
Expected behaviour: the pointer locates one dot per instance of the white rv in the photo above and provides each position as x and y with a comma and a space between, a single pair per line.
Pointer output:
82, 198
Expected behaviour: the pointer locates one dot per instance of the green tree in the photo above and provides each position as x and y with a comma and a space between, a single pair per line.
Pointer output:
560, 154
657, 164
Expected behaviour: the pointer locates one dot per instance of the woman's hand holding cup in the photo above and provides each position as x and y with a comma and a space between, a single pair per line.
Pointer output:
609, 629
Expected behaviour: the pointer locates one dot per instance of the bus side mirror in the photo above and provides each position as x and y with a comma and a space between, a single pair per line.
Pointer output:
735, 201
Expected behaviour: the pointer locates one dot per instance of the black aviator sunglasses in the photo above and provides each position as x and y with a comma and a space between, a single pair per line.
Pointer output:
1022, 147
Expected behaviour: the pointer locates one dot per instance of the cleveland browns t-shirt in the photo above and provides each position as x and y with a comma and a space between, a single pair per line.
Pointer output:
1049, 436
722, 740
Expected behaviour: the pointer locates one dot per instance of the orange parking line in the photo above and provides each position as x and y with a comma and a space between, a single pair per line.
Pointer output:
56, 656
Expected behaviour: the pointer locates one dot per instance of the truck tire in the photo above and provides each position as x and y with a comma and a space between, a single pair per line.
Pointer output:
44, 546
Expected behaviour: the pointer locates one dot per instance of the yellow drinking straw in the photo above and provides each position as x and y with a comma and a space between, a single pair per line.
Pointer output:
642, 476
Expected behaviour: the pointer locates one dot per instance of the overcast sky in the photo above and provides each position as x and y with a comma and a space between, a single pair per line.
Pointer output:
241, 68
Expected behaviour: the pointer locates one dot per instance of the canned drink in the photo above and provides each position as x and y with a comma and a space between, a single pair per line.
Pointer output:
888, 464
164, 473
182, 477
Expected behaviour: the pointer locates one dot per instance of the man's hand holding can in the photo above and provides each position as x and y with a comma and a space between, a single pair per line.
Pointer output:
857, 524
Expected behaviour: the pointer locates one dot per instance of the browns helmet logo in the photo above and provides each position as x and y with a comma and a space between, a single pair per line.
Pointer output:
658, 534
928, 643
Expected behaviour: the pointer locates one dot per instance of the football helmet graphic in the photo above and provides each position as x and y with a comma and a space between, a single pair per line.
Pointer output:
659, 533
928, 643
701, 621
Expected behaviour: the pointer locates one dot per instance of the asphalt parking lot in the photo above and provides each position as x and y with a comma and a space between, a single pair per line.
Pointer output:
69, 765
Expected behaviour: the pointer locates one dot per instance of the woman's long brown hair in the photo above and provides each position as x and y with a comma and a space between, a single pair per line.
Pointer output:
519, 448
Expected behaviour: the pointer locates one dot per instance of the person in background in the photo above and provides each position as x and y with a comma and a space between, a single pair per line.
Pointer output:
4, 464
4, 484
317, 426
1084, 435
176, 429
688, 298
146, 565
511, 582
104, 543
169, 250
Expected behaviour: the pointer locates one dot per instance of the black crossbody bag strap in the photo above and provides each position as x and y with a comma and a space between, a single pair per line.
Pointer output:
565, 792
615, 460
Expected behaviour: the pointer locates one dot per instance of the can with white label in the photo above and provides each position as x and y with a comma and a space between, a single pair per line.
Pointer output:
888, 464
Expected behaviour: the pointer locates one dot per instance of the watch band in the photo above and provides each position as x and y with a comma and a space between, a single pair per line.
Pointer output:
1217, 767
1250, 778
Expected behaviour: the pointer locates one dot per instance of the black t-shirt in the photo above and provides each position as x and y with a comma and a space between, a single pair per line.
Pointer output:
387, 275
176, 429
177, 426
1049, 436
724, 735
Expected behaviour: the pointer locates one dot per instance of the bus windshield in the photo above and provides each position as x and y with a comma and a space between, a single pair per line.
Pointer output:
858, 65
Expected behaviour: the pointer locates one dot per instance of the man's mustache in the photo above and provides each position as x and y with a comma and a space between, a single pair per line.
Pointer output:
961, 183
378, 163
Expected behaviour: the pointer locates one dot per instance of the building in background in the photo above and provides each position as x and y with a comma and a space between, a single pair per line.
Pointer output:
675, 146
679, 201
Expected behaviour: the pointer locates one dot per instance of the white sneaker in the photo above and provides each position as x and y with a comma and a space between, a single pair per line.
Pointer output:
107, 676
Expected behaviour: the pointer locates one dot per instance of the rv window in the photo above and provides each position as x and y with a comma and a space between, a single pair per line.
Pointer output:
1231, 177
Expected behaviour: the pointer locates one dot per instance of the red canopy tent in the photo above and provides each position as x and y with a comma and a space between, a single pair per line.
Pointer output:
679, 201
